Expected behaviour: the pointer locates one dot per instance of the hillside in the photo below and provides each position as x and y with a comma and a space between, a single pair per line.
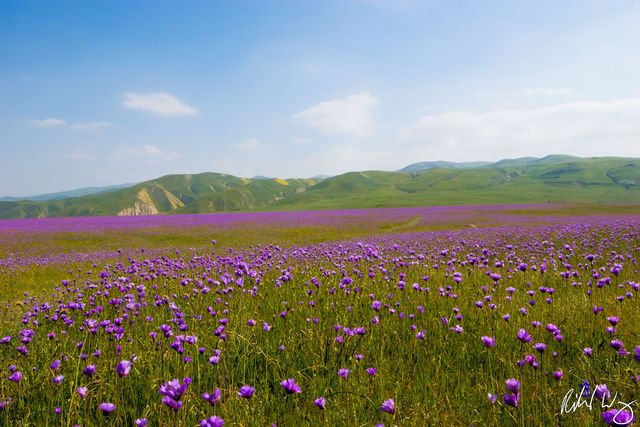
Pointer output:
171, 194
555, 178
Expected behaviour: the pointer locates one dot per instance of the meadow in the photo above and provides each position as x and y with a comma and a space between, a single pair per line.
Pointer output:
466, 315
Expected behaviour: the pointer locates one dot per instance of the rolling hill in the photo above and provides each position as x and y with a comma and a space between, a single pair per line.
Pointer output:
66, 194
555, 178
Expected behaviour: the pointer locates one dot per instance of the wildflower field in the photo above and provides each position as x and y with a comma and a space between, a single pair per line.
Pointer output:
501, 315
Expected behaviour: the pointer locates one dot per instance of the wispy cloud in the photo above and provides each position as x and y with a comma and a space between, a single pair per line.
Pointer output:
54, 122
47, 123
158, 103
351, 115
248, 146
149, 152
582, 128
90, 126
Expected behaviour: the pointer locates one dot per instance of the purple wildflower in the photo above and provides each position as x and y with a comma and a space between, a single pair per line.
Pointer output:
246, 391
618, 417
107, 408
123, 368
290, 386
524, 336
320, 402
540, 347
601, 392
388, 406
488, 341
213, 421
511, 399
513, 385
212, 398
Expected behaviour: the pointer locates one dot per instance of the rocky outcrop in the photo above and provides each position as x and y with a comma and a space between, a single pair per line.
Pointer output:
143, 206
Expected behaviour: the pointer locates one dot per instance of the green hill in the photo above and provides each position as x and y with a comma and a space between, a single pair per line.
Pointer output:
171, 194
555, 178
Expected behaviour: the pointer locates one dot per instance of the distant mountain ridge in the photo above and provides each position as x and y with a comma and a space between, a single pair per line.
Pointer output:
554, 178
78, 192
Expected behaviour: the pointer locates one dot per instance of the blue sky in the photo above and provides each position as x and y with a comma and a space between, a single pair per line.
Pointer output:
107, 92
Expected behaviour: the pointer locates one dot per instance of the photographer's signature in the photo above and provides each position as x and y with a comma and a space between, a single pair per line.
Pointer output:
569, 405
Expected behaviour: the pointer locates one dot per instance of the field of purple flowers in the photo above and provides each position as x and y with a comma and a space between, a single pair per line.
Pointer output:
353, 319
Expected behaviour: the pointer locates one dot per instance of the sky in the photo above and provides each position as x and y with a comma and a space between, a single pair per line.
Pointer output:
96, 93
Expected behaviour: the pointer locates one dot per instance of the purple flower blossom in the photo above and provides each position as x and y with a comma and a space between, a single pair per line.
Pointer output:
123, 368
172, 403
388, 406
343, 373
371, 371
290, 386
212, 398
89, 370
488, 341
107, 408
601, 392
616, 344
16, 376
174, 389
524, 336
246, 391
540, 347
213, 421
618, 417
82, 391
320, 402
457, 329
513, 385
140, 422
55, 365
57, 380
511, 399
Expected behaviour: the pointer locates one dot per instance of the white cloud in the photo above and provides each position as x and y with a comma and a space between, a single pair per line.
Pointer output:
250, 145
90, 126
351, 115
580, 128
80, 155
149, 152
158, 103
47, 123
54, 122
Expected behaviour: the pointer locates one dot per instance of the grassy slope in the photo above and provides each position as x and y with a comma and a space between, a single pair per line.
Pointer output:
600, 180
